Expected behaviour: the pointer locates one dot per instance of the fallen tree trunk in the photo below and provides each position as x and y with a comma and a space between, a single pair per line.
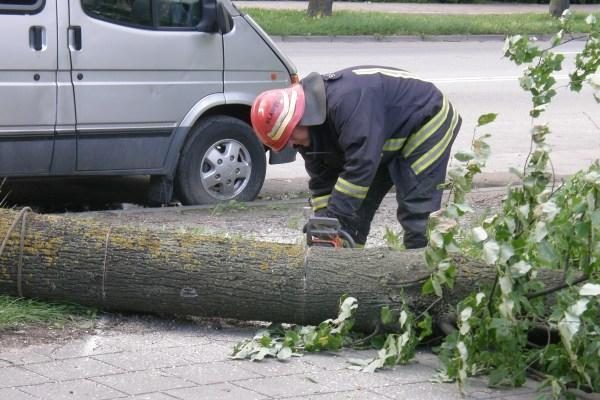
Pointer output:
123, 268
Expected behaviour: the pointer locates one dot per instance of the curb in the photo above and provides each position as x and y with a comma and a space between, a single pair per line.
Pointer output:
392, 38
405, 38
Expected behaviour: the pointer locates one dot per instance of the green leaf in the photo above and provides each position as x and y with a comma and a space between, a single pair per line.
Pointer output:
590, 19
521, 268
265, 341
498, 376
436, 239
426, 326
590, 289
464, 155
284, 354
506, 284
491, 250
547, 253
479, 298
427, 288
403, 318
437, 288
569, 325
506, 252
479, 234
541, 231
346, 309
463, 208
387, 316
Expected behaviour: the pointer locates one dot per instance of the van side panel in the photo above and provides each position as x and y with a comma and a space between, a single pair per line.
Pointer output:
65, 152
27, 91
247, 73
132, 88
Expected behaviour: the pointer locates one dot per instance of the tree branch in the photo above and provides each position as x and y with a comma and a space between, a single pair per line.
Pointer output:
557, 287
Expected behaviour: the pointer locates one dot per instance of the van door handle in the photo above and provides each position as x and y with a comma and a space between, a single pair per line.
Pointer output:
37, 37
75, 38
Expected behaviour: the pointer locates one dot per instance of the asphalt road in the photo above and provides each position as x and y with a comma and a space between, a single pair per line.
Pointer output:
478, 80
472, 73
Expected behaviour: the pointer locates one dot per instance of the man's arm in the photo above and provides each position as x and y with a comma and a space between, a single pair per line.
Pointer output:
359, 120
321, 183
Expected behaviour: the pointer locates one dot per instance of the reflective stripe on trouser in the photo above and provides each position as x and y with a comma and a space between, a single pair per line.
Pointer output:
426, 131
432, 145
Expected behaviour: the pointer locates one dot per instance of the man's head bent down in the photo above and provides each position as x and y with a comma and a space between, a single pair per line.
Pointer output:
281, 116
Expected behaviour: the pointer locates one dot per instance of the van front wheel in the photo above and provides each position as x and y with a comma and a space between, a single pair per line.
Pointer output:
221, 161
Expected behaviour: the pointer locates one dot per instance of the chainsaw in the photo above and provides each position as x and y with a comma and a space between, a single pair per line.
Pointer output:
327, 232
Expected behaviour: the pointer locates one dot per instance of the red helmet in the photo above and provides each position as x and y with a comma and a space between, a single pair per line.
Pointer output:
275, 114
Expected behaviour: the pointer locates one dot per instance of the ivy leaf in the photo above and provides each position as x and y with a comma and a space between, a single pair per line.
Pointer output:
486, 119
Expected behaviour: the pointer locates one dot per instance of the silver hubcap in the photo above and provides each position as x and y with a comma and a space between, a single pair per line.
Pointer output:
225, 169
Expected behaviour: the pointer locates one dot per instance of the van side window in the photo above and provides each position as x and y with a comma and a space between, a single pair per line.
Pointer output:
179, 13
128, 12
21, 6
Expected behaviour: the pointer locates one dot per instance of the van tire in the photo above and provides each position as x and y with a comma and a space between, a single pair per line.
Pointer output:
222, 160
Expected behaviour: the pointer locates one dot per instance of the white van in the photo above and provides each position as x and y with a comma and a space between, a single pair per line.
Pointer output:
137, 87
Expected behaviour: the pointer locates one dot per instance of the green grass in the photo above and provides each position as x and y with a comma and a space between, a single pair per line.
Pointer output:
342, 23
18, 312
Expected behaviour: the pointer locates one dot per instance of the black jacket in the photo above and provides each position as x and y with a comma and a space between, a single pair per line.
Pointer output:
372, 115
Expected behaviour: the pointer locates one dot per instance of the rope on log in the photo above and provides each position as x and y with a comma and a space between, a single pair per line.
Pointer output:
21, 216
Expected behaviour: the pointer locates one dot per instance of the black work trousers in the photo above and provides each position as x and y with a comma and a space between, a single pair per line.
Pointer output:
417, 198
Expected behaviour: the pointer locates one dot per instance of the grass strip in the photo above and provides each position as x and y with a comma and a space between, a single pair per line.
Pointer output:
19, 312
351, 23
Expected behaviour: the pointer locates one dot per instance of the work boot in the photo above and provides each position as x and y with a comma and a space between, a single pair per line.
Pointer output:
415, 240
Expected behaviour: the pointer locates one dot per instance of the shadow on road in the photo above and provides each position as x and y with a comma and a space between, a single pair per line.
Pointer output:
58, 195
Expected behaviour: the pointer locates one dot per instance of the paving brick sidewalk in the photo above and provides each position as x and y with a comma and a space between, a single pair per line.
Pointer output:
190, 362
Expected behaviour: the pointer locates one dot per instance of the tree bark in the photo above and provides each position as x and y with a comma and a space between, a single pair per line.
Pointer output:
123, 268
557, 7
320, 8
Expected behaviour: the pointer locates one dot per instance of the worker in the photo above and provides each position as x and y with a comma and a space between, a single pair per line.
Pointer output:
361, 131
